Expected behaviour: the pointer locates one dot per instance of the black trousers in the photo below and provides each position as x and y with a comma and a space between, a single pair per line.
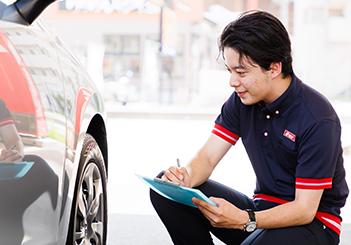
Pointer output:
187, 225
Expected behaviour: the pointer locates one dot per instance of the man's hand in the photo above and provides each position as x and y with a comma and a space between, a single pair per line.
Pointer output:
10, 156
226, 215
11, 139
176, 174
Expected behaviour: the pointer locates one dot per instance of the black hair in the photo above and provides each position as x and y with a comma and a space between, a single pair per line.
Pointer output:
260, 37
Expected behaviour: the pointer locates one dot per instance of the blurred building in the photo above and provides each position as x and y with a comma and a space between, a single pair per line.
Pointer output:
166, 51
322, 45
121, 41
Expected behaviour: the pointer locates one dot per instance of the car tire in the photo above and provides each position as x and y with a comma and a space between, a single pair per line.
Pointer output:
88, 222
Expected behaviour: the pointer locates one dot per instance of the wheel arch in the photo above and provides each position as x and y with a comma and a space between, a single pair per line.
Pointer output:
97, 129
92, 120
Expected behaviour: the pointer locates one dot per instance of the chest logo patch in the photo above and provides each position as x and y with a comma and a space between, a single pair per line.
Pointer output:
289, 135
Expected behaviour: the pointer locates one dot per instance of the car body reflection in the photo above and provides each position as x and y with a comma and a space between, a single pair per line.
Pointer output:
60, 118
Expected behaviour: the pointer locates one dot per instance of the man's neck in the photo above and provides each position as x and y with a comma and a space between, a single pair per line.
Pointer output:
281, 85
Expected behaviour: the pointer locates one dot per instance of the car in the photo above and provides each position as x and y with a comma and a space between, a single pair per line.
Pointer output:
57, 193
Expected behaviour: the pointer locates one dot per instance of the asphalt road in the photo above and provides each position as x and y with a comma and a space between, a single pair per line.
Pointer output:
145, 147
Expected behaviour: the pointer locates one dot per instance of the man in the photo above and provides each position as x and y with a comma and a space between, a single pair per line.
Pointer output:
292, 136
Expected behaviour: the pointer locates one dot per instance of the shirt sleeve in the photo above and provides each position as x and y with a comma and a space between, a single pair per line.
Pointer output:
227, 124
318, 156
225, 134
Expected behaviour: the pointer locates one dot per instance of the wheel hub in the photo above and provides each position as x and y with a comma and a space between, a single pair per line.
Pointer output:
90, 211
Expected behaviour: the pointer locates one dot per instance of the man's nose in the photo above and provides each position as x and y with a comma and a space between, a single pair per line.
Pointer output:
234, 80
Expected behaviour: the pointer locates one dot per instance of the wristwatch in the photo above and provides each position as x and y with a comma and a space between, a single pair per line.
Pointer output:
252, 224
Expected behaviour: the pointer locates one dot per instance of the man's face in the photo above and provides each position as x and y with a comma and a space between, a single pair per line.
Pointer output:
252, 84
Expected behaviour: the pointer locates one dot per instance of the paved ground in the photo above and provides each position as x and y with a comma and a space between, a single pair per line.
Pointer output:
346, 234
146, 146
127, 229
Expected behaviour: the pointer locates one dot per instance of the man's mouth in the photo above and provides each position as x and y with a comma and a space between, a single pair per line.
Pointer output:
240, 94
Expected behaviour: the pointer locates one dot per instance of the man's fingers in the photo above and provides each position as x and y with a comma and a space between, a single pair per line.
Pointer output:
10, 156
207, 210
203, 205
171, 174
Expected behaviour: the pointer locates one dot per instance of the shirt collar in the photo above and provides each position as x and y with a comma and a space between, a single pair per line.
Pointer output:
278, 106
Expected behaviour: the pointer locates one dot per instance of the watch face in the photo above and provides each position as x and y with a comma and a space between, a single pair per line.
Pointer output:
250, 227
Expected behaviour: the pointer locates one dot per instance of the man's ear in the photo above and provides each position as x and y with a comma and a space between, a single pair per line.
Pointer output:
276, 69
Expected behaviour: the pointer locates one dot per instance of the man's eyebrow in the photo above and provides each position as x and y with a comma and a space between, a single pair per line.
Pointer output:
240, 66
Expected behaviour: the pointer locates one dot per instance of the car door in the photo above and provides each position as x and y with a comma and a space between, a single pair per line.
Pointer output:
32, 89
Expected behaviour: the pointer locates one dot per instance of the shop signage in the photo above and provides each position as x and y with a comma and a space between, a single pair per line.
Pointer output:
109, 6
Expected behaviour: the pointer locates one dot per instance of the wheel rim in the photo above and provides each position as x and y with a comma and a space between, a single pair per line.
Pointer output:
90, 208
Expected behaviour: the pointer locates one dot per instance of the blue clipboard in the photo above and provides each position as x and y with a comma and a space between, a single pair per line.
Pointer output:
175, 192
14, 170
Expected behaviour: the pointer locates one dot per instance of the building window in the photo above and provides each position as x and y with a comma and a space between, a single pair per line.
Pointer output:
314, 16
179, 69
122, 56
174, 65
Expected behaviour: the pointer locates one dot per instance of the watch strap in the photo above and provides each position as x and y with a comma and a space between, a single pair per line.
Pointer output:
252, 217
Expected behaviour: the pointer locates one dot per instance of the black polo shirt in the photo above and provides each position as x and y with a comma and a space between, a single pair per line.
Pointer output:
5, 116
294, 142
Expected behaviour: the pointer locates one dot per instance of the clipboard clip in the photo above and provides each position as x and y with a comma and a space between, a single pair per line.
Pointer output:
164, 182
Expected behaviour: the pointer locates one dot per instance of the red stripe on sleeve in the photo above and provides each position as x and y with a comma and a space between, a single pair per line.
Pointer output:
314, 184
6, 121
225, 134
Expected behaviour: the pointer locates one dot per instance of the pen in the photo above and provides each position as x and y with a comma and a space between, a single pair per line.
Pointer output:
178, 163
